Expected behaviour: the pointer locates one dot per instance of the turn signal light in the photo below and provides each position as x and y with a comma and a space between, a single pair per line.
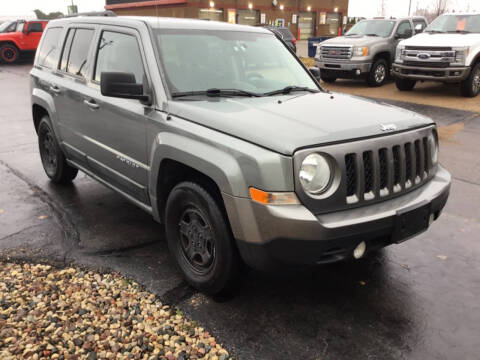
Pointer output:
273, 198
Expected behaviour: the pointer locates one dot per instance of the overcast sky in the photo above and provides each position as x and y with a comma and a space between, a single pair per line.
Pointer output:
365, 8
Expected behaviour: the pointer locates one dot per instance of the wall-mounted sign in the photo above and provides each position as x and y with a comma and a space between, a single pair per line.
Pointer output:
263, 18
323, 17
294, 18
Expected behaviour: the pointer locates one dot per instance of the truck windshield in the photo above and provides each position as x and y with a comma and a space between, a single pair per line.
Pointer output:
8, 26
201, 60
381, 28
455, 24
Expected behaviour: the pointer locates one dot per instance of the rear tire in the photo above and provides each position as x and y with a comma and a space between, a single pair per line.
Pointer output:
200, 239
378, 74
53, 160
9, 54
405, 84
326, 77
470, 87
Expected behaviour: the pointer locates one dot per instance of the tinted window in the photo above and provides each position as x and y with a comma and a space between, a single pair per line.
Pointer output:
78, 54
35, 27
420, 25
403, 28
119, 52
48, 53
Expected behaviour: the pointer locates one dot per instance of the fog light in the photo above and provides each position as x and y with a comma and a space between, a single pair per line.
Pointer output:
360, 250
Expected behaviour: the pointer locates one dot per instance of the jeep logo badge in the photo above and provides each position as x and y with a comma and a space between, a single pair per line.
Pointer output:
388, 127
423, 56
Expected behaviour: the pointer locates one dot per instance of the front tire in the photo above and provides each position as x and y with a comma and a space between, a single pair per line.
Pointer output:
9, 54
326, 77
378, 74
53, 160
200, 239
405, 84
470, 87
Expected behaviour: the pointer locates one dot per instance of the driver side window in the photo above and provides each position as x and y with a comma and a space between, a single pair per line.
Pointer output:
404, 29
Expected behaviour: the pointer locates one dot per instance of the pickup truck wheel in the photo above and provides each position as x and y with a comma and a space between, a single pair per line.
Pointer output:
378, 73
200, 240
53, 160
405, 84
327, 77
470, 87
9, 54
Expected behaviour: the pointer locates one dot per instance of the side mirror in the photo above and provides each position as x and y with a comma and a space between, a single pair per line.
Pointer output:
122, 85
315, 72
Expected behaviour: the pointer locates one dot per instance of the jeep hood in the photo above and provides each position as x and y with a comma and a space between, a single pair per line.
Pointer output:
286, 123
453, 40
354, 40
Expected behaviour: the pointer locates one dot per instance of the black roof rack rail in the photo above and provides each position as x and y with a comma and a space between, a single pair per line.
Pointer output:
93, 13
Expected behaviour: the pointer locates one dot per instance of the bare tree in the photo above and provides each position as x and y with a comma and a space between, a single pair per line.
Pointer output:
439, 7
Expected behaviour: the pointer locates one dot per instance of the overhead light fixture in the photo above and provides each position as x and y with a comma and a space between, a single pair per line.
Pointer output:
212, 4
336, 9
309, 8
250, 6
281, 7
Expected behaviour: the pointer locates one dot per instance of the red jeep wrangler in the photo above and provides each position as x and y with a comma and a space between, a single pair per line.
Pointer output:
24, 39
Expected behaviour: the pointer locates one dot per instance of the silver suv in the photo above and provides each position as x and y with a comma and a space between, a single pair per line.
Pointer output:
221, 133
366, 51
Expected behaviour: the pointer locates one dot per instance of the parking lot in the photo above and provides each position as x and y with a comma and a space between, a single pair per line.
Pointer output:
416, 300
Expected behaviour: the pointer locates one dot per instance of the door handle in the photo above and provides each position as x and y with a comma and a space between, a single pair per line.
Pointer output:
55, 89
91, 104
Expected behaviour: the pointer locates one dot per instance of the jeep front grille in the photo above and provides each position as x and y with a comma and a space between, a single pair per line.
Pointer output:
336, 52
382, 172
369, 171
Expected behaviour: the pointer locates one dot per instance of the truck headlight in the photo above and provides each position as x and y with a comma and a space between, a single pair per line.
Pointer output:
433, 148
461, 54
318, 51
315, 174
360, 51
399, 53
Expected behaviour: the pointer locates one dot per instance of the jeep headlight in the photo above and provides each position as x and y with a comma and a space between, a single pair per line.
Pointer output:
360, 51
433, 148
315, 174
399, 53
461, 54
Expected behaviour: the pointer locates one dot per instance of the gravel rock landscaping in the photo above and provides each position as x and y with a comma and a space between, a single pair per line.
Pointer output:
49, 313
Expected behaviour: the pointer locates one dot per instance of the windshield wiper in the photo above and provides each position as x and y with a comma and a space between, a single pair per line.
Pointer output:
216, 92
371, 35
434, 31
459, 32
288, 89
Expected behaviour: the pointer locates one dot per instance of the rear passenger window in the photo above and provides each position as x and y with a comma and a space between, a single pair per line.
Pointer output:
35, 27
119, 53
48, 52
75, 52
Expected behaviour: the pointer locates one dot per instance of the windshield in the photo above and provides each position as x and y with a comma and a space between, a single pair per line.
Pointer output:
455, 23
7, 26
198, 60
372, 27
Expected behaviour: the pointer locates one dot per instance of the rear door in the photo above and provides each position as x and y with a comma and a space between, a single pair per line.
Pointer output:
114, 129
33, 33
69, 87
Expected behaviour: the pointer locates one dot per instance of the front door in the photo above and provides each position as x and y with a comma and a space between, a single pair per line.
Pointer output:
33, 33
115, 129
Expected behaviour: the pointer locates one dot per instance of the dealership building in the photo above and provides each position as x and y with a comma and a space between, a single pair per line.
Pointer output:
304, 18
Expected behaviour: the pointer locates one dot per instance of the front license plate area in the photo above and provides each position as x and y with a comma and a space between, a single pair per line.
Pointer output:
410, 222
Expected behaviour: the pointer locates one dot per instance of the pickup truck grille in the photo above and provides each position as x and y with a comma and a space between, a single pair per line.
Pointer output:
379, 173
369, 171
440, 65
336, 52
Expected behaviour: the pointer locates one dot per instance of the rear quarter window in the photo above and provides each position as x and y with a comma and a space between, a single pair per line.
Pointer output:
50, 49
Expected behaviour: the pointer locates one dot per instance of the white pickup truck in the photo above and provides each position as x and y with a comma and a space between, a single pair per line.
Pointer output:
447, 51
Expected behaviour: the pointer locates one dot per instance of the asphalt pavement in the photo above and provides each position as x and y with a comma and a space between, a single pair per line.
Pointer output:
416, 300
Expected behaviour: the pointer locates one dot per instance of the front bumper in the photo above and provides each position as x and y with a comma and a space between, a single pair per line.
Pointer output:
449, 74
351, 67
272, 235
